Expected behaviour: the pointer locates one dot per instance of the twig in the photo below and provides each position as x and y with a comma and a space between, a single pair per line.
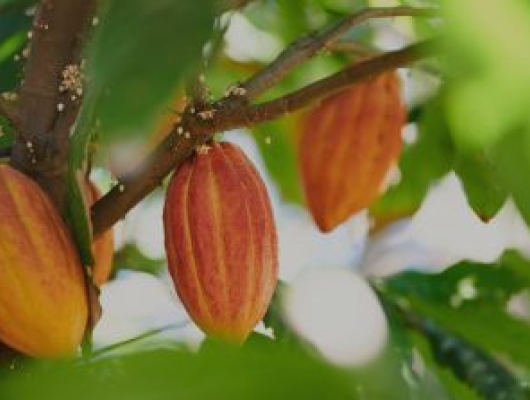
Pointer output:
45, 114
348, 76
145, 335
232, 112
225, 5
308, 46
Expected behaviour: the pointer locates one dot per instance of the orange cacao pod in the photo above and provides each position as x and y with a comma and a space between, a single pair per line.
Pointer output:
43, 300
221, 242
102, 247
348, 144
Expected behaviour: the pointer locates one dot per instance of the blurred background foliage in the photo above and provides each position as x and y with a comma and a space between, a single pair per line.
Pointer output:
453, 334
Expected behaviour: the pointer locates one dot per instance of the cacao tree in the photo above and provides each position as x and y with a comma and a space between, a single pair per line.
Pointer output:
232, 119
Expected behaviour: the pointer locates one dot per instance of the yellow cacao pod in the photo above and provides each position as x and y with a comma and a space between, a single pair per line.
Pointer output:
221, 242
102, 247
43, 301
348, 144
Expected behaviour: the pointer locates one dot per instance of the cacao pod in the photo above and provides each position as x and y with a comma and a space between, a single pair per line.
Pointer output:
348, 144
102, 247
221, 242
43, 300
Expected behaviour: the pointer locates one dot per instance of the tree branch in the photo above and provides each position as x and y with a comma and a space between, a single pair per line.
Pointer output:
45, 114
226, 5
308, 46
230, 113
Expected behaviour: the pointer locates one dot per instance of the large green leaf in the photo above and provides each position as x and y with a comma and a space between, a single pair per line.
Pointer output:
491, 95
139, 53
483, 187
256, 372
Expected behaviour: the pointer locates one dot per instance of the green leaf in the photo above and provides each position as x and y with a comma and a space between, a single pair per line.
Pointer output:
466, 281
130, 258
518, 265
78, 205
512, 155
216, 372
13, 36
139, 54
491, 95
15, 5
425, 385
457, 389
484, 191
277, 144
423, 162
469, 298
474, 323
8, 133
482, 372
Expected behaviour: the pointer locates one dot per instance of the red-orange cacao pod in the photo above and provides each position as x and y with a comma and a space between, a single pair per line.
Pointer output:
221, 242
43, 300
102, 247
348, 144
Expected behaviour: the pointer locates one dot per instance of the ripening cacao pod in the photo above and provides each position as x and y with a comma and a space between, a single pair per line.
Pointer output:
348, 144
102, 246
43, 300
221, 242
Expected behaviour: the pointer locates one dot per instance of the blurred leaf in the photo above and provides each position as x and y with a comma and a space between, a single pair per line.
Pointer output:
78, 205
15, 5
425, 385
134, 67
130, 258
491, 96
467, 281
509, 336
294, 22
8, 133
140, 52
457, 389
13, 36
512, 156
258, 372
277, 143
480, 371
424, 161
274, 319
484, 191
469, 297
518, 265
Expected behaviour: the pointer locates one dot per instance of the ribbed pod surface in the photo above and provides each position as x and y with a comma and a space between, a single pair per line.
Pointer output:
221, 242
348, 144
43, 304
